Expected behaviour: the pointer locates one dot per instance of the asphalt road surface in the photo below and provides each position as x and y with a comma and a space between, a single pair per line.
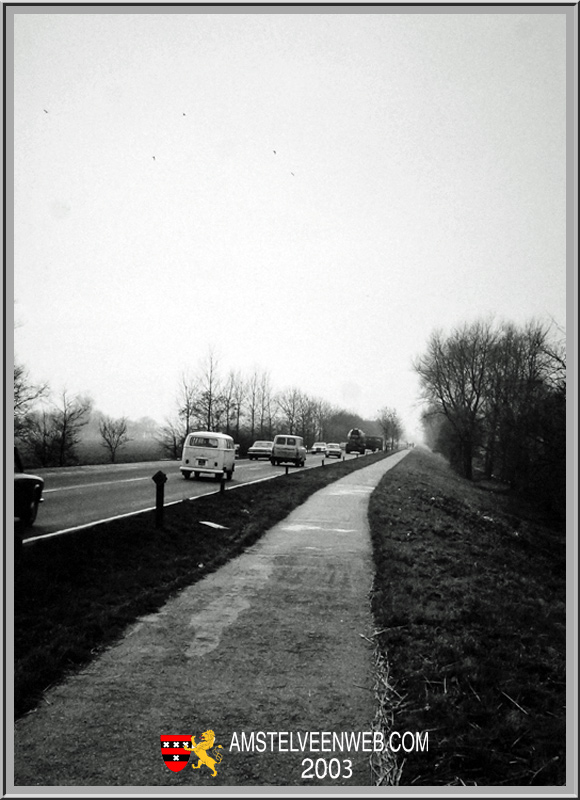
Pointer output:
79, 496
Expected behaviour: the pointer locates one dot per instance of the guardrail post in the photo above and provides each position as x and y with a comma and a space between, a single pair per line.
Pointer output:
223, 483
286, 469
159, 479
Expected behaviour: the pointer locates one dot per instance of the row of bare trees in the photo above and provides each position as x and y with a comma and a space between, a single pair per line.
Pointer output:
497, 393
51, 429
391, 427
246, 407
51, 432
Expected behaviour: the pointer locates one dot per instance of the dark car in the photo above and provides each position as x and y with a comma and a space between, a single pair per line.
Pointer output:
27, 492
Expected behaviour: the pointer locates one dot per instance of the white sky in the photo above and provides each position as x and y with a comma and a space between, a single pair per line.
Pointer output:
428, 153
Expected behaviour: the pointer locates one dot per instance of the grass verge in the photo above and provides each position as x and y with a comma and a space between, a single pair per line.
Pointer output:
469, 605
76, 594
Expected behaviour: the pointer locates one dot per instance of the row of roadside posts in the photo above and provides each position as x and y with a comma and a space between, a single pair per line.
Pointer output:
160, 479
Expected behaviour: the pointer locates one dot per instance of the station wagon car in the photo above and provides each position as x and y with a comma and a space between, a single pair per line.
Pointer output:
288, 448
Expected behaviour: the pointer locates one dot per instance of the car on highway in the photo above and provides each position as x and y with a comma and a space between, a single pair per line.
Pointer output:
319, 447
288, 448
333, 450
208, 452
260, 449
28, 491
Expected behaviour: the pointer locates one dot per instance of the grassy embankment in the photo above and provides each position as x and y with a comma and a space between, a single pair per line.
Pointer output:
469, 605
468, 600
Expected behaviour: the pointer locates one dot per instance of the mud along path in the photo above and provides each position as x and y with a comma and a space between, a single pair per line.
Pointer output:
272, 643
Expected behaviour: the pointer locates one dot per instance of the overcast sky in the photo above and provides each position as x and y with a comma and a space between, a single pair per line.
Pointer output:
307, 194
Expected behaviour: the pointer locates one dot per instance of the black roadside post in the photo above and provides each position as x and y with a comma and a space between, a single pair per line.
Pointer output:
223, 483
159, 479
286, 469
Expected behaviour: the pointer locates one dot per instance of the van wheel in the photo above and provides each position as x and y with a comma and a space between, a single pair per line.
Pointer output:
196, 475
186, 475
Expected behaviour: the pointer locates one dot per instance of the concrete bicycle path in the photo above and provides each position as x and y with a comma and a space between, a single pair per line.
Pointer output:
271, 642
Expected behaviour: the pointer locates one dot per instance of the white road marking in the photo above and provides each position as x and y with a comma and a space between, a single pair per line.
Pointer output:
212, 524
99, 483
90, 524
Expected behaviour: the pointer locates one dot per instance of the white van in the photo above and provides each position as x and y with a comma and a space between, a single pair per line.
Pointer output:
288, 448
208, 452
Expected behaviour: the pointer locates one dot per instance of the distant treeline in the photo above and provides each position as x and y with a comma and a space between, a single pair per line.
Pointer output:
68, 430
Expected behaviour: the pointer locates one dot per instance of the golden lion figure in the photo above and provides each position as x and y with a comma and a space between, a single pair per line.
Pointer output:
200, 750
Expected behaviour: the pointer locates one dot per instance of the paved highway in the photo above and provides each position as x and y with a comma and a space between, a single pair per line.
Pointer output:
80, 496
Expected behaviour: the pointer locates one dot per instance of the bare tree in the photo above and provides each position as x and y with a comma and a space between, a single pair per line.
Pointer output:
322, 414
454, 374
26, 395
41, 438
187, 402
239, 397
172, 438
68, 418
234, 398
54, 433
208, 401
526, 402
114, 434
307, 417
288, 402
391, 426
253, 400
265, 410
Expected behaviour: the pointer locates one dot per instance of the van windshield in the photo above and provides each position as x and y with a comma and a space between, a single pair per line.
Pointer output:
202, 441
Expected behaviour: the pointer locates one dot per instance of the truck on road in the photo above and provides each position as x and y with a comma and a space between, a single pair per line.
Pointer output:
355, 442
